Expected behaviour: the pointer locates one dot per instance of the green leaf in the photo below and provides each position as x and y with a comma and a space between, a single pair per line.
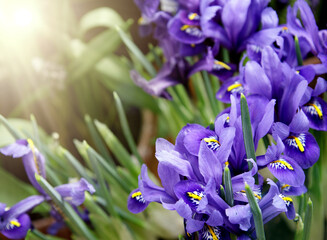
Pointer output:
16, 134
98, 140
100, 17
247, 132
299, 228
136, 51
256, 211
228, 187
12, 189
37, 235
112, 171
88, 55
14, 127
118, 149
210, 92
119, 80
298, 51
125, 127
104, 191
307, 220
76, 164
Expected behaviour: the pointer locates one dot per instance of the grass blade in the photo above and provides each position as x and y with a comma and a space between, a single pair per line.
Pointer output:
76, 164
17, 135
104, 191
228, 186
298, 51
136, 51
125, 127
256, 211
98, 140
117, 148
112, 171
307, 220
247, 133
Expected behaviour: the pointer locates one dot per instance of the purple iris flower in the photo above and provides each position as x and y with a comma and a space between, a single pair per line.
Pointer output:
185, 28
283, 167
234, 32
248, 177
73, 193
14, 222
308, 30
213, 232
136, 202
316, 108
148, 9
172, 73
289, 190
212, 65
278, 81
33, 160
262, 117
272, 204
232, 86
299, 143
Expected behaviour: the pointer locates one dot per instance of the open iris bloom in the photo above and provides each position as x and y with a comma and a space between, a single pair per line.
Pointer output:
34, 163
308, 30
15, 222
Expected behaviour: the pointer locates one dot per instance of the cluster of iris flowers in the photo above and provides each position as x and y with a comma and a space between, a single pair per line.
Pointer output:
14, 221
284, 101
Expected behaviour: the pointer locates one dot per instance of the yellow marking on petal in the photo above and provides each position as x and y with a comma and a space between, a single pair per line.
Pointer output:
222, 64
227, 118
32, 146
298, 72
284, 28
31, 143
192, 195
193, 16
298, 143
285, 186
226, 163
184, 27
288, 199
233, 86
193, 45
134, 195
256, 195
211, 140
140, 20
317, 109
15, 223
289, 166
214, 236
